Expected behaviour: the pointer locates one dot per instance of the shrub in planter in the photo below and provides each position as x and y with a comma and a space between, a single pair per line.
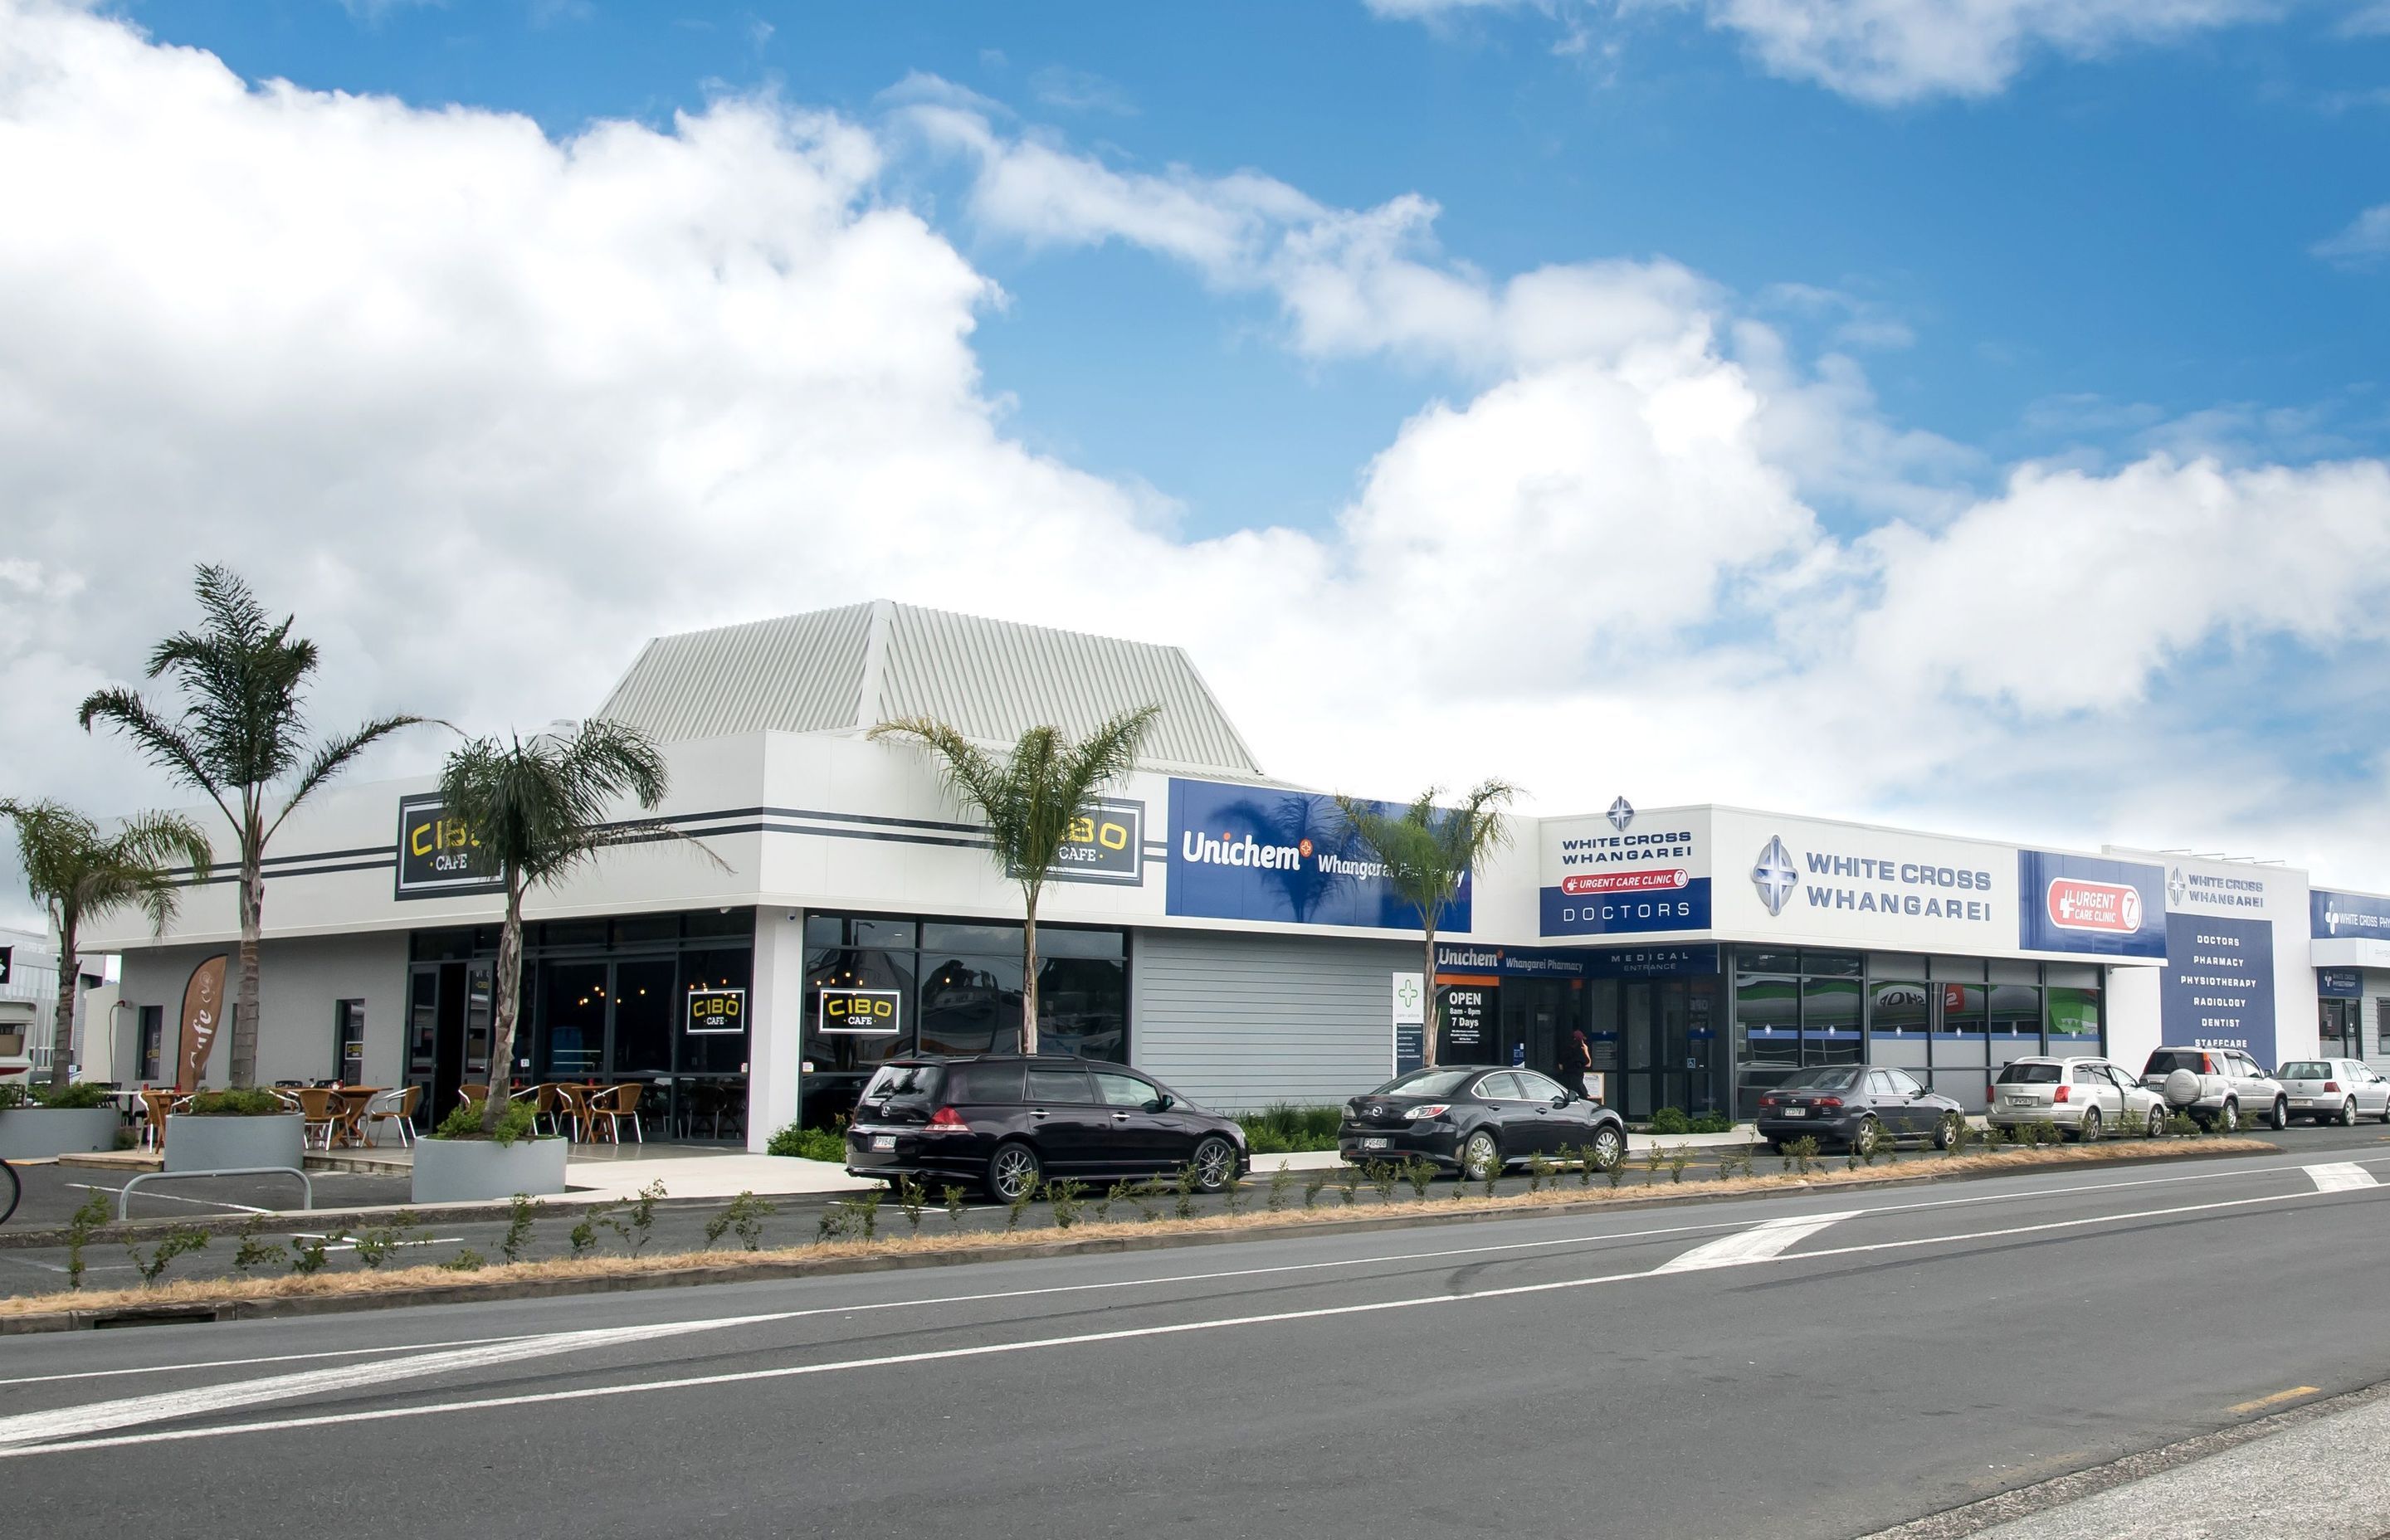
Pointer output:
228, 1130
460, 1163
811, 1144
43, 1121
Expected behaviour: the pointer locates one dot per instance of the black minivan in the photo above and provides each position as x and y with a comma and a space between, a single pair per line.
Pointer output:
1008, 1121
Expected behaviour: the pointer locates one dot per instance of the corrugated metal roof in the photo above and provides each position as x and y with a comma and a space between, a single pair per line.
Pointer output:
846, 670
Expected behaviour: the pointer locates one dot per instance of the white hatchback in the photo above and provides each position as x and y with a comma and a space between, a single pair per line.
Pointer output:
2341, 1089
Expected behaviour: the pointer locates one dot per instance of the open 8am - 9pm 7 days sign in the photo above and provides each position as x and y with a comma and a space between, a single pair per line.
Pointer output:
1262, 852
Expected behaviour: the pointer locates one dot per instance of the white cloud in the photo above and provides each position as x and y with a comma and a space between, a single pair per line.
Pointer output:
1895, 51
2366, 240
1069, 90
489, 408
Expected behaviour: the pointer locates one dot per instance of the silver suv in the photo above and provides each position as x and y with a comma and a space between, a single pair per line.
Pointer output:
2220, 1087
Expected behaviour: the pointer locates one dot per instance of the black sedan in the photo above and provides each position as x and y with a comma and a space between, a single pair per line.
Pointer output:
1475, 1120
1006, 1122
1858, 1105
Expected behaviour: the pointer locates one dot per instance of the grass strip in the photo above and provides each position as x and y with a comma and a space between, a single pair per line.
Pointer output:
402, 1280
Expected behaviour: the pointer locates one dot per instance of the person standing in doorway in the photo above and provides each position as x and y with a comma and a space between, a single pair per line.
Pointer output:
1576, 1059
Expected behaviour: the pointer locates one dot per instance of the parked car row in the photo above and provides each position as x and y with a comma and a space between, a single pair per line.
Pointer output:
1007, 1123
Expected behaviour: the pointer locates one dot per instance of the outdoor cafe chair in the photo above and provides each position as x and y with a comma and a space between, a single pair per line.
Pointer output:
613, 1104
543, 1106
321, 1110
575, 1100
155, 1105
395, 1105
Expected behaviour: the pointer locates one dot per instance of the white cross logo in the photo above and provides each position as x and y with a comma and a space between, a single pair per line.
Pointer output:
1774, 876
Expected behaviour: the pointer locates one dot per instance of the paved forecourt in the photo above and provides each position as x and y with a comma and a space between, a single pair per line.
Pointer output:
1801, 1366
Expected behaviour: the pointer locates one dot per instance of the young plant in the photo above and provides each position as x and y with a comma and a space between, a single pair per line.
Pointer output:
1232, 1196
467, 1260
1183, 1185
1539, 1171
174, 1243
952, 1197
911, 1195
1420, 1174
1348, 1184
1019, 1206
1383, 1175
1066, 1199
1653, 1159
583, 1237
1312, 1187
1119, 1192
255, 1250
309, 1252
1280, 1179
1614, 1172
638, 1231
1802, 1153
1493, 1176
374, 1247
520, 1213
1679, 1158
747, 1214
90, 1216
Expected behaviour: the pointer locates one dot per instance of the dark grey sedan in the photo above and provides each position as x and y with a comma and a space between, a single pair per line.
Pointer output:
1858, 1105
1477, 1119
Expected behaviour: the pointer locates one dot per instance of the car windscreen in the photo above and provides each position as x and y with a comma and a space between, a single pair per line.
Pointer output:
2028, 1074
1426, 1082
2305, 1068
904, 1080
1825, 1077
2165, 1061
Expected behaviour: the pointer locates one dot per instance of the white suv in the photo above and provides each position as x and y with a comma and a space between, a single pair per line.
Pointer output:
2220, 1087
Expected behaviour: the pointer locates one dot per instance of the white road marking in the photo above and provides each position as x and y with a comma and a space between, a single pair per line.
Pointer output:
2341, 1177
1759, 1244
244, 1363
15, 1432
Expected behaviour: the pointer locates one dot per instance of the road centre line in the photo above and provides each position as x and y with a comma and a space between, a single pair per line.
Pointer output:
16, 1433
1438, 1254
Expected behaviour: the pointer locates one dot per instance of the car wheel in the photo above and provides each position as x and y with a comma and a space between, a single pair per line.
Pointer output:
2349, 1114
1610, 1145
2087, 1131
1946, 1133
1012, 1171
2227, 1120
1869, 1136
2157, 1123
2281, 1115
1480, 1157
1214, 1164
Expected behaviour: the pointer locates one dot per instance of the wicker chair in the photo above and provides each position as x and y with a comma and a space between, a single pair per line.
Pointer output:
396, 1105
612, 1105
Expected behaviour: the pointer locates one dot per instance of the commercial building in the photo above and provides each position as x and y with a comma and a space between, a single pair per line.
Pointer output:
1222, 930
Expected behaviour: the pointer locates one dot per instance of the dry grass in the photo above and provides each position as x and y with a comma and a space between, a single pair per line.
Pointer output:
793, 1259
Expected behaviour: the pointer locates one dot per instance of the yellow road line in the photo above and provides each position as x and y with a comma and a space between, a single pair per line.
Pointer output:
2275, 1399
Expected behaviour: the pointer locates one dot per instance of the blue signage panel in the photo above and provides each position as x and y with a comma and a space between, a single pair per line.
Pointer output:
2331, 914
2219, 987
2089, 904
1685, 907
1579, 962
1257, 853
2340, 983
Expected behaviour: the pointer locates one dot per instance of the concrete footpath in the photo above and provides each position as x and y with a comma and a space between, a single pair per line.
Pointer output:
2325, 1479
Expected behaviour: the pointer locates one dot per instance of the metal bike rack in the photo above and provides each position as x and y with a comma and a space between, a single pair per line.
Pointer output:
124, 1194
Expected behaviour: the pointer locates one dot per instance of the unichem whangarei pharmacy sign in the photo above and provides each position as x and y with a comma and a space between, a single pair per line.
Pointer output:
1260, 852
437, 856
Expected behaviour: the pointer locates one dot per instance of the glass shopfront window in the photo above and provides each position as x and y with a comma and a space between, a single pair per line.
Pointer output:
1830, 1021
956, 986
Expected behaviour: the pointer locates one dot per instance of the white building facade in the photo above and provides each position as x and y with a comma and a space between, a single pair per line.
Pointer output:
1225, 932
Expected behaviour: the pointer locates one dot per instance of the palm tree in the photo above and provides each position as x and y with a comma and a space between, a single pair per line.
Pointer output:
1427, 851
77, 873
1029, 802
241, 733
537, 810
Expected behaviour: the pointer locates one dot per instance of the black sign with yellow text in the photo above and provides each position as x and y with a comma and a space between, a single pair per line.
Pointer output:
717, 1011
870, 1012
437, 856
1105, 844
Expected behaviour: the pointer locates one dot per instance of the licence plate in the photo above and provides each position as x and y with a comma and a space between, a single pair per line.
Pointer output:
884, 1141
1796, 1111
1376, 1144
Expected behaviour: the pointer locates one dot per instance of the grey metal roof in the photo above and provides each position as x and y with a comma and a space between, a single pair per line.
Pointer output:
844, 669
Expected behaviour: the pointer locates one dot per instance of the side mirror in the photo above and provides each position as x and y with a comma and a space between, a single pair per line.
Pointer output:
1159, 1104
1562, 1100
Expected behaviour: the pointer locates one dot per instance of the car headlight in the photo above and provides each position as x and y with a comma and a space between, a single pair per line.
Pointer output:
1429, 1110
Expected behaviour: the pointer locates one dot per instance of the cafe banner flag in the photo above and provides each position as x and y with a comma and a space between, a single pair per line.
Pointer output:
204, 1012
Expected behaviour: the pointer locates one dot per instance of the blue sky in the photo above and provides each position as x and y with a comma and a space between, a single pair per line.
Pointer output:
2103, 248
1967, 415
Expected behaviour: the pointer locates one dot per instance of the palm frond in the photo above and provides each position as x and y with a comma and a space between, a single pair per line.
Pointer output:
333, 755
1028, 800
160, 742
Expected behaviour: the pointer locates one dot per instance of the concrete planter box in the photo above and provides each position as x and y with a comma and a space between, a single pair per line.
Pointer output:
39, 1132
458, 1170
227, 1144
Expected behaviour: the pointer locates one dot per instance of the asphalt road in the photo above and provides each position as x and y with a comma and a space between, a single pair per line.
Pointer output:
1820, 1366
52, 1193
